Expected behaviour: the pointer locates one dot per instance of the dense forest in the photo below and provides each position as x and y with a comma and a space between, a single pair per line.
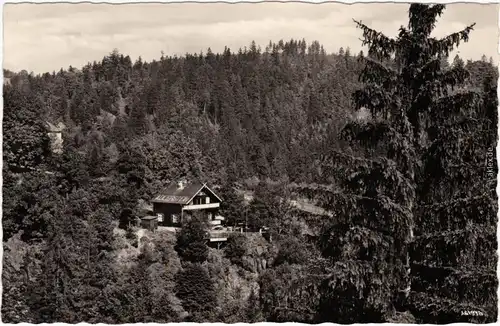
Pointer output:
396, 145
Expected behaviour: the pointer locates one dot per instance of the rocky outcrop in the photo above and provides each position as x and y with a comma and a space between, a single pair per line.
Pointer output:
55, 135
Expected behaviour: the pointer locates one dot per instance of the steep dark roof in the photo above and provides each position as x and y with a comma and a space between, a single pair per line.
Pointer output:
173, 195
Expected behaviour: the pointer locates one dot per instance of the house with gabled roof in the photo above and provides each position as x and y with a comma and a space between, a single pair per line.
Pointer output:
180, 200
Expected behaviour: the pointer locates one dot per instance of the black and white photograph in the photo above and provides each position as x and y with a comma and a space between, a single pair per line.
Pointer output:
267, 162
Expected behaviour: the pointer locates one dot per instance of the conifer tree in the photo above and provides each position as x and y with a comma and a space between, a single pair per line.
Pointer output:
253, 310
454, 253
379, 172
196, 291
192, 241
231, 205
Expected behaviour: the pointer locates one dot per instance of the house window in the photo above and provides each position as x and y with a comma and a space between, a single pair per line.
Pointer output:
175, 218
197, 201
207, 200
160, 217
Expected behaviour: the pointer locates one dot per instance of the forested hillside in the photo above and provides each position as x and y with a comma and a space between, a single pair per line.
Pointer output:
280, 122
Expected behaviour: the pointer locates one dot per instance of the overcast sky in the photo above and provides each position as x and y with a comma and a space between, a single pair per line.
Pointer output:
46, 37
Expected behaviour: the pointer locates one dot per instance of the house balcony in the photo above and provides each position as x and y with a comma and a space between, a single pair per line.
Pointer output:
223, 235
200, 206
215, 236
214, 222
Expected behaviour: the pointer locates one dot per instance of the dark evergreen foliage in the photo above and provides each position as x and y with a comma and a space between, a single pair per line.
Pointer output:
25, 139
236, 248
196, 291
191, 240
404, 159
